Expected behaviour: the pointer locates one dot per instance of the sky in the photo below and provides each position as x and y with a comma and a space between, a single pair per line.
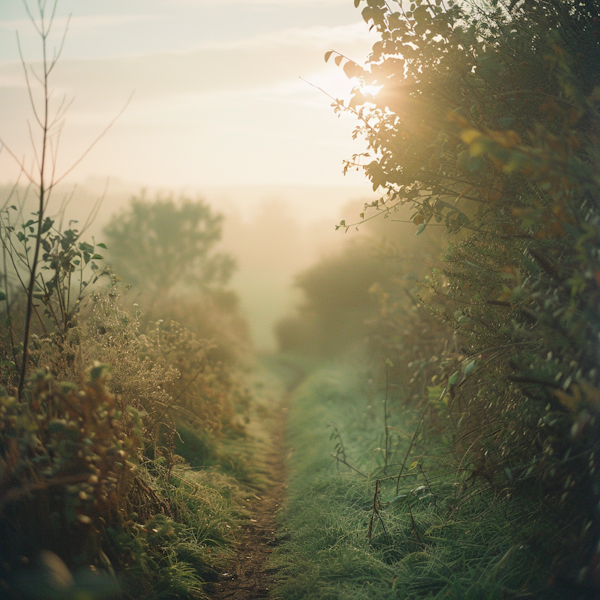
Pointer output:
220, 90
214, 99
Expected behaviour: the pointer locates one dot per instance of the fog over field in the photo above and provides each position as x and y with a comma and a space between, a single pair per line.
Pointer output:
273, 232
228, 101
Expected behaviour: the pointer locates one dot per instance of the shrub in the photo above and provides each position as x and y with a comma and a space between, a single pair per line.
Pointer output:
487, 123
337, 304
66, 462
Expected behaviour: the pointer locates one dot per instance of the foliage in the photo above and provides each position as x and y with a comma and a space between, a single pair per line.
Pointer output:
487, 123
160, 381
337, 304
163, 244
66, 269
65, 464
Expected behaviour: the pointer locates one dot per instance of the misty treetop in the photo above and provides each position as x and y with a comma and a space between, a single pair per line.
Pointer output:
164, 244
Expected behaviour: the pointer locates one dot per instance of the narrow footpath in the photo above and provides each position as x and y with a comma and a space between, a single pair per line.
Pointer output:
249, 577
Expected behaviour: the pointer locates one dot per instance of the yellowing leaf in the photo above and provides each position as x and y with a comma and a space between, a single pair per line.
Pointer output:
568, 401
470, 135
591, 394
478, 147
464, 192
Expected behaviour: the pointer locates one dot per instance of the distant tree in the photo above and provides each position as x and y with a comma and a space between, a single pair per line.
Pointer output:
159, 245
337, 304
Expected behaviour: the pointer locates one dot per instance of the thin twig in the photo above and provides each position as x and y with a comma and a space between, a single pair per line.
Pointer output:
412, 441
347, 464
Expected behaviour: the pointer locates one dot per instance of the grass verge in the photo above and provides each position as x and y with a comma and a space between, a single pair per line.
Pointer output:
432, 535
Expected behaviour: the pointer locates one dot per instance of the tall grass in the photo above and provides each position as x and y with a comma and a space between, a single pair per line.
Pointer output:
436, 536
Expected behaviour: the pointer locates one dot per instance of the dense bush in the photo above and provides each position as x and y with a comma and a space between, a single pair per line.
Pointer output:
88, 463
487, 123
66, 460
88, 468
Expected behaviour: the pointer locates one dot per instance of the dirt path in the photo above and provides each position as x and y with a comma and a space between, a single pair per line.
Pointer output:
248, 577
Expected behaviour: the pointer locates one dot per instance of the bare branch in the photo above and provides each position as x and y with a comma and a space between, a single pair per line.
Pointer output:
62, 45
31, 18
29, 88
12, 191
20, 162
35, 152
89, 149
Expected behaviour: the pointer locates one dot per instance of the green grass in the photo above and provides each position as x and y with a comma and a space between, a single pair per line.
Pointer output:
442, 538
179, 555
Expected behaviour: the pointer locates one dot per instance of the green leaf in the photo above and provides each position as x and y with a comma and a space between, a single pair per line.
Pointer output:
47, 225
505, 123
85, 247
2, 296
421, 229
101, 245
476, 163
470, 368
454, 378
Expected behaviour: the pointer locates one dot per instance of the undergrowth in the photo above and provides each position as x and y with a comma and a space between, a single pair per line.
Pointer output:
131, 479
353, 528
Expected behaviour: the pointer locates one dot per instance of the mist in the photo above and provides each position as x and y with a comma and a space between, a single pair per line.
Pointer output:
272, 232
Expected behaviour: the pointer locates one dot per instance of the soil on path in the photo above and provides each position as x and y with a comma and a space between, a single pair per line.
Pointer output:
249, 576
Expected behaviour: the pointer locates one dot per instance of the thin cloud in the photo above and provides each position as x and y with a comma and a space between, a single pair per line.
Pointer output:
257, 3
252, 63
193, 108
82, 23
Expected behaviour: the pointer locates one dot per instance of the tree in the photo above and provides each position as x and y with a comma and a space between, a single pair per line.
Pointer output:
488, 122
163, 244
337, 303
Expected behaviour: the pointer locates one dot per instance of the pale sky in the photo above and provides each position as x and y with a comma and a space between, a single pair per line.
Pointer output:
217, 94
219, 109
